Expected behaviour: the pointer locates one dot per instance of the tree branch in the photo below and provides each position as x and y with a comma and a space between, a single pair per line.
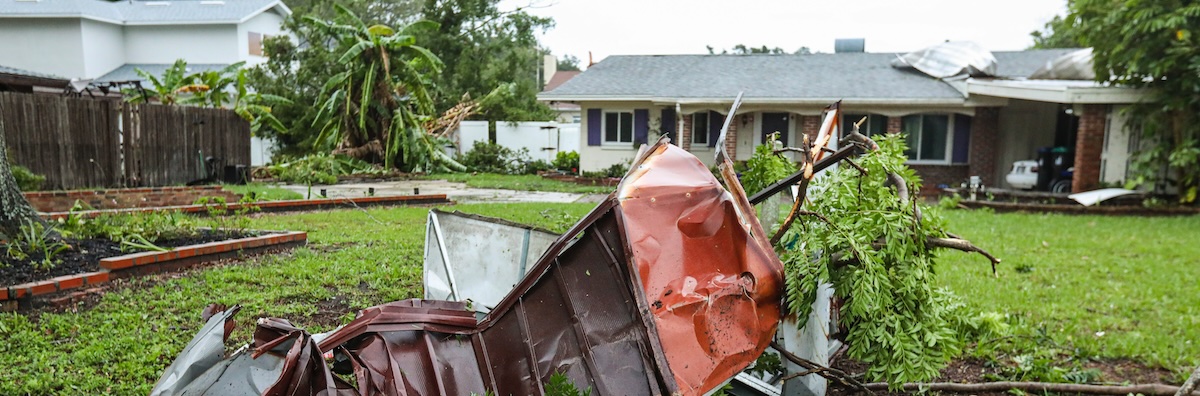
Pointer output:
963, 245
1190, 383
829, 373
1036, 387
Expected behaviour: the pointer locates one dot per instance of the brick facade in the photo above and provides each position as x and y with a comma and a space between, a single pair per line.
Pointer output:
894, 124
62, 201
981, 157
731, 137
1089, 143
811, 126
685, 136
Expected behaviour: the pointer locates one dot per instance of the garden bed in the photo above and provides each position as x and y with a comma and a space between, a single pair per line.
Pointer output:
584, 181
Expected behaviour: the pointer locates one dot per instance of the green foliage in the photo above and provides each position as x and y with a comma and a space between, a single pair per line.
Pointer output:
321, 169
260, 192
764, 168
872, 250
1153, 45
490, 157
519, 183
174, 83
950, 202
226, 87
133, 231
768, 363
617, 170
485, 48
567, 161
568, 63
26, 179
560, 385
1058, 33
39, 242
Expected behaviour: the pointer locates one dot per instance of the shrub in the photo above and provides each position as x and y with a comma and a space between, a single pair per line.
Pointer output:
322, 169
533, 167
617, 170
26, 179
488, 157
567, 161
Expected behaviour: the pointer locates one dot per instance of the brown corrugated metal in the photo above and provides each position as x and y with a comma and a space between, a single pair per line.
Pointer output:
667, 287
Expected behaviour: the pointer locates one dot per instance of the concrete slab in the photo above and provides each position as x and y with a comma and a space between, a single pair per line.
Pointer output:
458, 192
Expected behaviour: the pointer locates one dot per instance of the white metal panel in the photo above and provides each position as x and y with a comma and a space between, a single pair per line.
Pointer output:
470, 132
544, 140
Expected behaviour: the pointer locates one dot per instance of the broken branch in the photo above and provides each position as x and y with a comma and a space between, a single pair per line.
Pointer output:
963, 245
829, 373
1190, 384
1035, 387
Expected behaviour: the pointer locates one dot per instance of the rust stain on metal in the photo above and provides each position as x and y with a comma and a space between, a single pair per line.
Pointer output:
667, 287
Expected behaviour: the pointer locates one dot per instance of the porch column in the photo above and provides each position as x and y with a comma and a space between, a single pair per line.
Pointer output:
981, 154
731, 140
1089, 142
811, 126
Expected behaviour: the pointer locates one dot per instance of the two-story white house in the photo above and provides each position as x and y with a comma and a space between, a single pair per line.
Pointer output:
106, 41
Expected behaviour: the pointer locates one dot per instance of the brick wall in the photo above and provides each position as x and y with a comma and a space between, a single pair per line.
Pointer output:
981, 157
894, 124
1089, 142
62, 201
809, 125
731, 137
933, 175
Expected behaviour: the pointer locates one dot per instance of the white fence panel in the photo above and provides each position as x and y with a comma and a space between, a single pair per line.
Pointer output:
544, 140
470, 132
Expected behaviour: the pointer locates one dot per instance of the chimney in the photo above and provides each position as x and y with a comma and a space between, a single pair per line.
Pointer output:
849, 45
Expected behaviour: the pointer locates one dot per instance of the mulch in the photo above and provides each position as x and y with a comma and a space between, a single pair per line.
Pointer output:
84, 256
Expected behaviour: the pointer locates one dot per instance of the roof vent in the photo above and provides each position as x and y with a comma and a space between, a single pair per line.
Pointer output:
212, 2
849, 45
158, 3
949, 59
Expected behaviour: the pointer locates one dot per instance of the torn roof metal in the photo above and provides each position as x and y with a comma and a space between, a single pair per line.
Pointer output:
950, 59
667, 287
1073, 66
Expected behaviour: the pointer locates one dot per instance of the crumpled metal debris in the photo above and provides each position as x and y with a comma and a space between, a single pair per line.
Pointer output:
1076, 65
950, 59
667, 287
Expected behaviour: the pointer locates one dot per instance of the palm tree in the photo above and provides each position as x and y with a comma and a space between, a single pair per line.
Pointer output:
212, 87
167, 90
256, 107
375, 108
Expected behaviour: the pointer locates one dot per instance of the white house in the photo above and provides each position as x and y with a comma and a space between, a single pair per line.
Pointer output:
106, 41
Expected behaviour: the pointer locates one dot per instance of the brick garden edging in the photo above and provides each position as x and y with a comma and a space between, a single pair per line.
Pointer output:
276, 206
59, 290
123, 198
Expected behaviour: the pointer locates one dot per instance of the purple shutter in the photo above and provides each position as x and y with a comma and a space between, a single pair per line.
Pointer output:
715, 122
962, 139
669, 123
641, 126
593, 127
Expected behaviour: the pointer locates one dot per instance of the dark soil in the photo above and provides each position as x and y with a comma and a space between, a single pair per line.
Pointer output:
84, 256
974, 370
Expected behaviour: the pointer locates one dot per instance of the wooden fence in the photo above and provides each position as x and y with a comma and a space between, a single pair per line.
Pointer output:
90, 143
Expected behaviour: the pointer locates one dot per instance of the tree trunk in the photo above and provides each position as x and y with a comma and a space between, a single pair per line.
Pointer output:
14, 209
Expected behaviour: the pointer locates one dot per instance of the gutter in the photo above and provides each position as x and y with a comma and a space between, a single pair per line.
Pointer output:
1049, 92
670, 101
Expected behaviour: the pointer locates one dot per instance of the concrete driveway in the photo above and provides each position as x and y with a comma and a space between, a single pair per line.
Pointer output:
459, 192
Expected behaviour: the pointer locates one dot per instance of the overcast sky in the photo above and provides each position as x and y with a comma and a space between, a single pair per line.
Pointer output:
625, 27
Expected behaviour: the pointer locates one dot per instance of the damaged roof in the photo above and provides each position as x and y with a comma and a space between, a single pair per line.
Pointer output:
817, 77
140, 12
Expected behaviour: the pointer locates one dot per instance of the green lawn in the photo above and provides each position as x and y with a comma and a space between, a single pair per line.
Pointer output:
264, 192
518, 182
1111, 287
1135, 279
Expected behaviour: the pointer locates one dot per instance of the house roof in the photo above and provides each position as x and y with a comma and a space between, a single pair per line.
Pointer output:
559, 78
26, 73
143, 12
766, 78
9, 75
127, 71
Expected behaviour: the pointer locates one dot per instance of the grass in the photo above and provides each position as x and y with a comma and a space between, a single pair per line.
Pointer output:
122, 344
1132, 278
1104, 287
263, 192
518, 182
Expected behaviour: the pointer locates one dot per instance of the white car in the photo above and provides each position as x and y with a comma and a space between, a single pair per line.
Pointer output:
1024, 175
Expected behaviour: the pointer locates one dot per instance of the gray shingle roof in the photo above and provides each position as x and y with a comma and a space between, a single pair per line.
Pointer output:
126, 72
27, 73
139, 12
816, 76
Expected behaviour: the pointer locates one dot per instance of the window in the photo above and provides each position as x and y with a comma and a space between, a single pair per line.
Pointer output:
618, 127
256, 43
928, 137
874, 125
700, 128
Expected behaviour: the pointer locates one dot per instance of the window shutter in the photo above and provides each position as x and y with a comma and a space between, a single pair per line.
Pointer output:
593, 127
669, 123
962, 139
641, 126
715, 122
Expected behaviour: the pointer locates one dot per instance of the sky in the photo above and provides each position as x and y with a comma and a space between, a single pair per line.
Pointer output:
639, 27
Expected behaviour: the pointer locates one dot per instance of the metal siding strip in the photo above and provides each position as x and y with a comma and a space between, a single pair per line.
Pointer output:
588, 359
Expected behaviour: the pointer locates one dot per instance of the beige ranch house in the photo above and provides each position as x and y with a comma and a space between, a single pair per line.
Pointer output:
956, 127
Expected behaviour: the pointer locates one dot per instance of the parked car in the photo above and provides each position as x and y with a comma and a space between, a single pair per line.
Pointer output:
1024, 175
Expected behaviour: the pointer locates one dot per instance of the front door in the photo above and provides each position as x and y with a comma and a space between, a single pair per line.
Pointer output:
775, 122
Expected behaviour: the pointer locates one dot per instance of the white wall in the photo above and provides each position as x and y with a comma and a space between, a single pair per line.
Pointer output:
195, 43
268, 23
544, 140
1025, 126
44, 45
1119, 143
469, 133
103, 47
